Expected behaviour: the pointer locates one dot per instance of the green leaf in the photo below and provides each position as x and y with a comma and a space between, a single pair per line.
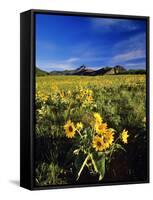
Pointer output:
100, 154
118, 146
101, 167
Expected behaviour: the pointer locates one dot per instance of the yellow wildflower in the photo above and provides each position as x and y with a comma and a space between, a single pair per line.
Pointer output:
98, 118
124, 136
89, 99
108, 138
62, 94
79, 126
101, 128
69, 92
69, 129
88, 92
98, 143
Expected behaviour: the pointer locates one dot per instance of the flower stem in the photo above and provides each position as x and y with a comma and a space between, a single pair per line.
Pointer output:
79, 133
83, 165
113, 147
93, 162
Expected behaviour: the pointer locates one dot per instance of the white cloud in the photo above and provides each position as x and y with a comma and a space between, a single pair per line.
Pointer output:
136, 54
71, 60
105, 21
105, 24
133, 43
59, 65
141, 65
129, 49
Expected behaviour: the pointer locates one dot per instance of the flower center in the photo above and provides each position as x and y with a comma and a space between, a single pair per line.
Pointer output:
70, 128
98, 144
101, 127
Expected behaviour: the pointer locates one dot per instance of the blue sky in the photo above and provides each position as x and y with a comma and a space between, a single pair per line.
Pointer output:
67, 42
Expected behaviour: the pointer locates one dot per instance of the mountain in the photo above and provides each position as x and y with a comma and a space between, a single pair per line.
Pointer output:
40, 72
104, 70
65, 72
81, 68
84, 71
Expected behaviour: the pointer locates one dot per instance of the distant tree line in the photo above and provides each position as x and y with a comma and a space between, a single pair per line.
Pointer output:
134, 71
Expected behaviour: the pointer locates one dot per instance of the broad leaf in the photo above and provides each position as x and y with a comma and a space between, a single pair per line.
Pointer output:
101, 167
118, 146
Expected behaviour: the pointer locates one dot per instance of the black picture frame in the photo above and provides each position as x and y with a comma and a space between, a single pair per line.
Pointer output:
27, 95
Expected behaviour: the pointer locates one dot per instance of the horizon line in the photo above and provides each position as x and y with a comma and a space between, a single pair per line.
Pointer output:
91, 68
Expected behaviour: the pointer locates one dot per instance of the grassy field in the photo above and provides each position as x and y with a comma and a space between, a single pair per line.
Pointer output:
121, 102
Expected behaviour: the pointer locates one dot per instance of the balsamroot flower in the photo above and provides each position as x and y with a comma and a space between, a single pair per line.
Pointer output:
124, 136
69, 129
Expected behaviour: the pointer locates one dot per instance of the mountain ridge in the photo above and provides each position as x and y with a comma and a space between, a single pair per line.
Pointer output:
85, 71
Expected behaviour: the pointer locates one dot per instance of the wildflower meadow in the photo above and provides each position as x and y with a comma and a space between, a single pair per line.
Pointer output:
90, 129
